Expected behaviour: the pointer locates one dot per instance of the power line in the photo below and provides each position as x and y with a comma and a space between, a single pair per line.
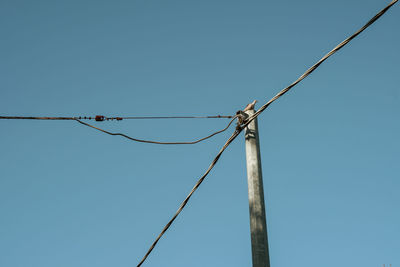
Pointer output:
104, 118
248, 120
316, 65
179, 117
183, 204
158, 142
35, 118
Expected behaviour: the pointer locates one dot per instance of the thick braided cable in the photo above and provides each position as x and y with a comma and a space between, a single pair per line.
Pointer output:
316, 65
251, 118
183, 204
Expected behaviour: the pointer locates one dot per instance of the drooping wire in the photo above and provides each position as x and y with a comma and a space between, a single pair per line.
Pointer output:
251, 118
158, 142
103, 118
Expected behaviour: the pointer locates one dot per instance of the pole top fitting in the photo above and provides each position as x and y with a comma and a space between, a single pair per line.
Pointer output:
250, 106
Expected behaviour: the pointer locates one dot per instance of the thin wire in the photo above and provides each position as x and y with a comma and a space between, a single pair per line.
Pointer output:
179, 117
158, 142
35, 118
103, 118
251, 118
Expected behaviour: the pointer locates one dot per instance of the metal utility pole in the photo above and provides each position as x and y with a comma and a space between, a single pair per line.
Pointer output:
258, 227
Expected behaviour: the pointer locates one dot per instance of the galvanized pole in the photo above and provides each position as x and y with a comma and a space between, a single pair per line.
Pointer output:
258, 227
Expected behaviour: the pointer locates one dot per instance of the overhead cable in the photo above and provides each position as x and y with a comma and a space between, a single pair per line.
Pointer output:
104, 118
35, 118
251, 118
159, 142
178, 117
316, 65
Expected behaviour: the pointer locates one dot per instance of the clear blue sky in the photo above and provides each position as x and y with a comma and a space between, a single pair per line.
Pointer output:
72, 196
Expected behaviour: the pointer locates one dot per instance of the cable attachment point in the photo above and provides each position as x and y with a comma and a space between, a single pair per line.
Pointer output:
242, 118
99, 118
103, 118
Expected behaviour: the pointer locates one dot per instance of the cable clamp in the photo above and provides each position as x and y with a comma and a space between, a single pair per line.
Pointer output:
99, 118
242, 118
